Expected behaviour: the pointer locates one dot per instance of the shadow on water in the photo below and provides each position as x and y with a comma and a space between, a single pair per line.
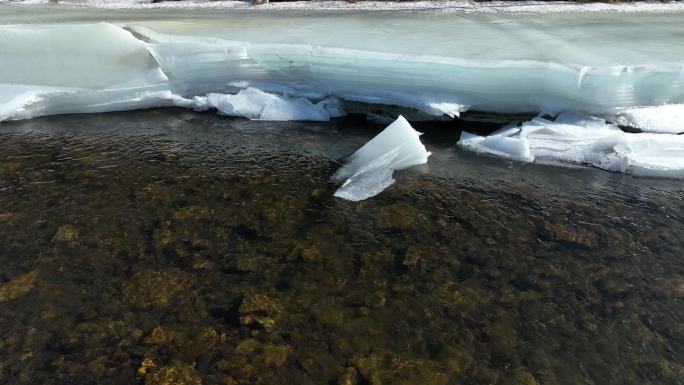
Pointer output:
167, 246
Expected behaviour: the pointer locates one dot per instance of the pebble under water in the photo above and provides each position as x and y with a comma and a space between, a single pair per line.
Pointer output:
172, 247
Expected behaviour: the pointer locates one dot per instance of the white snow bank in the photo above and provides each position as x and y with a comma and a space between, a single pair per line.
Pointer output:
578, 139
369, 170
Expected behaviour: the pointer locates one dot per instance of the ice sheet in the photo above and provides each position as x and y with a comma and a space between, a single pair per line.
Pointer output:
445, 6
577, 139
369, 170
90, 56
507, 64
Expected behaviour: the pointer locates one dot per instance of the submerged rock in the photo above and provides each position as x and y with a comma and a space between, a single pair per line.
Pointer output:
262, 310
397, 216
275, 355
349, 377
161, 335
384, 369
176, 374
523, 377
18, 286
193, 213
66, 233
565, 233
155, 288
146, 365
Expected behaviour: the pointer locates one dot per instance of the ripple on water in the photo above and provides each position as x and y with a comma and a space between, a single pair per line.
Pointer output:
168, 245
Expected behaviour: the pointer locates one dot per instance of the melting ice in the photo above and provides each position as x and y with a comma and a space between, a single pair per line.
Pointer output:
578, 139
507, 64
369, 170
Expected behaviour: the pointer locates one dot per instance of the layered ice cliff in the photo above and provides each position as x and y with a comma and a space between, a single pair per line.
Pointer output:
622, 68
627, 69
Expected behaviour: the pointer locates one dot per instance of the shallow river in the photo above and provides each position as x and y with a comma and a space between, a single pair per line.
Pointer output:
173, 247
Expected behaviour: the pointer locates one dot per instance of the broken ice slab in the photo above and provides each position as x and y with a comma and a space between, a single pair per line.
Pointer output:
369, 170
666, 119
257, 105
577, 139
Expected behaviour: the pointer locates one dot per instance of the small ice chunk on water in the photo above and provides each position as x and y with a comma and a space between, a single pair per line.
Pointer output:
505, 142
369, 170
667, 119
258, 105
579, 139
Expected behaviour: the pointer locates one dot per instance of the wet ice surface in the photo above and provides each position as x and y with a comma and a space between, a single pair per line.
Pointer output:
578, 139
369, 170
146, 245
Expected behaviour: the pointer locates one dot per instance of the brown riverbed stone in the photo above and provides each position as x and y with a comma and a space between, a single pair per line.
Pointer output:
155, 288
580, 235
349, 377
384, 369
260, 309
161, 335
176, 374
18, 286
66, 233
397, 216
145, 366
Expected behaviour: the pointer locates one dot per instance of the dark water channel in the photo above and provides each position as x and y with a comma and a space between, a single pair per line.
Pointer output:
171, 247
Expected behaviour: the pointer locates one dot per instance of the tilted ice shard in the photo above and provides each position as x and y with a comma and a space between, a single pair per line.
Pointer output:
369, 170
577, 139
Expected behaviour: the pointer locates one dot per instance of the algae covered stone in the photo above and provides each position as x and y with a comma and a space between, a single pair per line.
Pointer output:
66, 233
18, 286
155, 288
262, 310
176, 374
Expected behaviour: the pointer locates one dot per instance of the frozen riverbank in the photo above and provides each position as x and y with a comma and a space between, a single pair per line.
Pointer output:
309, 65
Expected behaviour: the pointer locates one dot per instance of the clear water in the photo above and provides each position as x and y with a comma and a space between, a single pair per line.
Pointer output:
171, 247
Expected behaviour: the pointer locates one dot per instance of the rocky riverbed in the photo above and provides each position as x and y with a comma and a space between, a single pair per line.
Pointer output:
171, 247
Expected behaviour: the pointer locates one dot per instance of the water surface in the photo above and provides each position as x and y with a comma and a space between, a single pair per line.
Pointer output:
167, 246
